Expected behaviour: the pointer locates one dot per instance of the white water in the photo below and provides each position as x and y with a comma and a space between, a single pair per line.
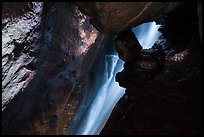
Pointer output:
108, 94
105, 100
89, 120
147, 34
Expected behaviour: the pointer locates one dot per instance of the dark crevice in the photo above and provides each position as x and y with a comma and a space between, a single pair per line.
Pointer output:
19, 47
31, 66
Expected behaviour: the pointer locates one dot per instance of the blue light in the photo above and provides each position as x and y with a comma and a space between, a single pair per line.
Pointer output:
147, 34
108, 94
93, 114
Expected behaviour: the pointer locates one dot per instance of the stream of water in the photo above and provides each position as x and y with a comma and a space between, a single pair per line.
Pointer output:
90, 119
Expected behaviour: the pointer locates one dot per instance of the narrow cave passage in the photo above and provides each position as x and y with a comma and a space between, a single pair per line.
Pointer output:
64, 70
76, 68
92, 115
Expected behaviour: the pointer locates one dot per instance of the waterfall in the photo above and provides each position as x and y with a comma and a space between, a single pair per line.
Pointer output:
105, 100
108, 94
147, 34
93, 114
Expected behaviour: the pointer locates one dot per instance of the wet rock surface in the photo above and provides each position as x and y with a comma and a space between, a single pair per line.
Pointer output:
127, 46
166, 99
66, 38
48, 51
20, 48
115, 17
164, 102
11, 10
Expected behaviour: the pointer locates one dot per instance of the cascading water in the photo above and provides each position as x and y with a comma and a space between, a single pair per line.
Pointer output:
105, 100
92, 115
147, 34
90, 119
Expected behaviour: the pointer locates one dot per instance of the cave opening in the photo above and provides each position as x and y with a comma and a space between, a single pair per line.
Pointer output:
147, 34
83, 85
93, 113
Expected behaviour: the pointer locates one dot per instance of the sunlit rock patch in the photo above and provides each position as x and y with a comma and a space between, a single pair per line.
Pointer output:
179, 56
19, 41
87, 34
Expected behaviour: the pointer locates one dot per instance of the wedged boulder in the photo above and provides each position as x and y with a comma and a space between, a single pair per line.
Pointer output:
127, 46
115, 17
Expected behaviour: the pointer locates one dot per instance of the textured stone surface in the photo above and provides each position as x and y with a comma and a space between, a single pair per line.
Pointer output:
20, 40
46, 68
166, 100
114, 17
12, 10
65, 56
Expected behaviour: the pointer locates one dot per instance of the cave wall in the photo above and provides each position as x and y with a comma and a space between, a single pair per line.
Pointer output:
20, 51
11, 10
115, 17
20, 47
46, 69
66, 54
168, 100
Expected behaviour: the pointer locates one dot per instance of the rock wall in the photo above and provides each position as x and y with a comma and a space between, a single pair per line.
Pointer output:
20, 48
48, 50
115, 17
65, 46
167, 99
